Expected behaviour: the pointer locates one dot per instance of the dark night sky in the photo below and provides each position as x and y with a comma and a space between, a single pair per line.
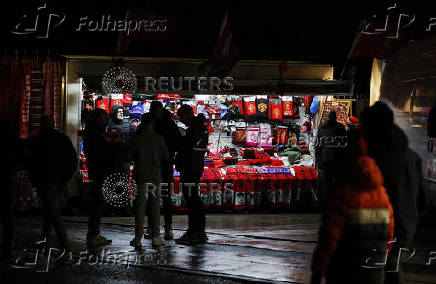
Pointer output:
297, 30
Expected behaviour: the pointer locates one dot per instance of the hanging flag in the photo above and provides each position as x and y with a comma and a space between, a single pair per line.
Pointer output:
224, 54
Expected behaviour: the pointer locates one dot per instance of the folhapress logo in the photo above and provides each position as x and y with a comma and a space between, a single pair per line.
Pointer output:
44, 20
39, 24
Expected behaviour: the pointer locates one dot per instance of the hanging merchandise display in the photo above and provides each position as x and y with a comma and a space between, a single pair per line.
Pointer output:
253, 151
262, 107
103, 103
288, 109
341, 108
116, 99
275, 109
250, 107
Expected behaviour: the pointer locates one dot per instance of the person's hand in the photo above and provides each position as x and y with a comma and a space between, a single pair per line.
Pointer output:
316, 278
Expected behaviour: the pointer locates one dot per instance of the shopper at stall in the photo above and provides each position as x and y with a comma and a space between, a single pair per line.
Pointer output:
328, 146
148, 149
7, 143
102, 160
117, 122
53, 162
166, 127
190, 164
402, 171
119, 130
357, 224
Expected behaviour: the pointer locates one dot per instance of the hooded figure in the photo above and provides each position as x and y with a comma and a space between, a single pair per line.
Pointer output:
402, 171
122, 129
117, 123
357, 224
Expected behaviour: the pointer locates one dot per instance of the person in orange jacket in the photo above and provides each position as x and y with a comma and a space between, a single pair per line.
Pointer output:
358, 223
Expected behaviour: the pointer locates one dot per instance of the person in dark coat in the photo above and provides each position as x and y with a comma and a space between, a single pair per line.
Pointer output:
166, 127
119, 129
403, 178
7, 143
190, 163
431, 122
357, 224
53, 161
148, 151
330, 138
102, 160
117, 122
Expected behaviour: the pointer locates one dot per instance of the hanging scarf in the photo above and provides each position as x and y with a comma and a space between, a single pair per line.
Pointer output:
250, 107
275, 109
103, 104
287, 105
262, 108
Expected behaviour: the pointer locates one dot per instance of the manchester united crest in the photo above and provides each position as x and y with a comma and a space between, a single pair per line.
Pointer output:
262, 107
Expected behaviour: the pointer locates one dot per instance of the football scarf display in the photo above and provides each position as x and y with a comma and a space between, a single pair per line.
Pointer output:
103, 104
275, 109
262, 107
36, 100
127, 99
239, 108
240, 136
265, 135
25, 99
252, 135
282, 135
250, 107
136, 111
116, 99
287, 106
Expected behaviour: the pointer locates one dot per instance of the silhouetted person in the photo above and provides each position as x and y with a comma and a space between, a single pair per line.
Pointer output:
166, 127
328, 146
357, 223
148, 151
402, 171
102, 161
7, 144
190, 164
431, 122
53, 162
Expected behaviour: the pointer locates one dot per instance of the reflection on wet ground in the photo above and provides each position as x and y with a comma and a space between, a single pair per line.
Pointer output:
241, 248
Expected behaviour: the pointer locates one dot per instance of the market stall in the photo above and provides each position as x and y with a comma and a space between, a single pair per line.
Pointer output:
258, 145
260, 134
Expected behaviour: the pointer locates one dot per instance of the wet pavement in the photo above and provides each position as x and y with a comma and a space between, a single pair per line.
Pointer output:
249, 248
